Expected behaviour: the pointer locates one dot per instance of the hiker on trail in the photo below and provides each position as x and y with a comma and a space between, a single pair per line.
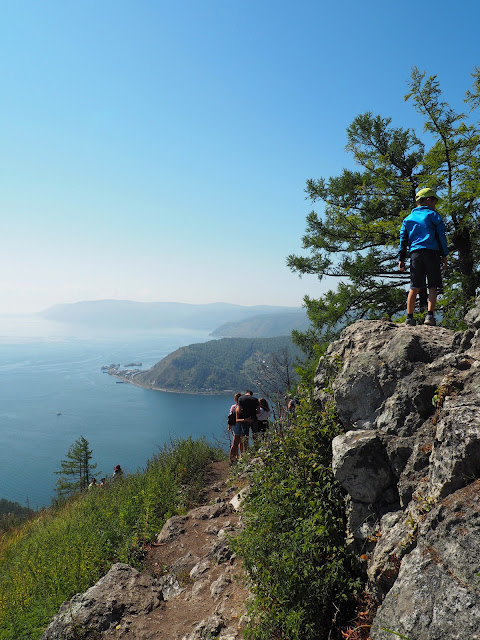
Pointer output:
103, 482
93, 483
117, 472
259, 427
236, 429
247, 409
423, 232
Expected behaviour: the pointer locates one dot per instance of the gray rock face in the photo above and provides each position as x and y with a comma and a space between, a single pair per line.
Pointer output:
473, 316
388, 375
172, 528
409, 401
121, 594
361, 465
455, 457
437, 592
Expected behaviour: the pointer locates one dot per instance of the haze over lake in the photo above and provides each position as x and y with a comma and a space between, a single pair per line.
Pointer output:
49, 368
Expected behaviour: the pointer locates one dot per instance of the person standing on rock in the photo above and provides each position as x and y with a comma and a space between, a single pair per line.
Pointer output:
423, 232
247, 409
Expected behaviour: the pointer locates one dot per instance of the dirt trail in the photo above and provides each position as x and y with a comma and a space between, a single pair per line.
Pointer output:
194, 552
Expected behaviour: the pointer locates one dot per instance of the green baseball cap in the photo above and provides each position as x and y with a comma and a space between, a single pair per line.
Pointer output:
426, 193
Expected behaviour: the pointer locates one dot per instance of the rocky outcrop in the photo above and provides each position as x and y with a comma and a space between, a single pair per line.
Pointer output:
122, 594
436, 593
409, 461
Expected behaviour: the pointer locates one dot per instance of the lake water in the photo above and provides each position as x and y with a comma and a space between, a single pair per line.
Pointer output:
48, 368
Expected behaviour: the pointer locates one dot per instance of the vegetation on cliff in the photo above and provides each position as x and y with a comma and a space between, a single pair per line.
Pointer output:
12, 514
293, 546
64, 551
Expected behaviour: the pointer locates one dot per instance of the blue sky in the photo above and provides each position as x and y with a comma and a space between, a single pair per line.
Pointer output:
158, 151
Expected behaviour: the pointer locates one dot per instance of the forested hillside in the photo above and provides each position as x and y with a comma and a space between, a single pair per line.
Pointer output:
216, 366
267, 325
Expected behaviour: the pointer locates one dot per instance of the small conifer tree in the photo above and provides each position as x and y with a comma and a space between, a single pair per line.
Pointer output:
76, 469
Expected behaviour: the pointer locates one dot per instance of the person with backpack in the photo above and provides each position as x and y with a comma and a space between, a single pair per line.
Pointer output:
247, 408
236, 429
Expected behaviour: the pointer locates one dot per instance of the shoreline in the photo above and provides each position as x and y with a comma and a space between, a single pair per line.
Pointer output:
191, 393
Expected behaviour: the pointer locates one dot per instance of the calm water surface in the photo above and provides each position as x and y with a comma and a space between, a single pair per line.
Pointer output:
48, 368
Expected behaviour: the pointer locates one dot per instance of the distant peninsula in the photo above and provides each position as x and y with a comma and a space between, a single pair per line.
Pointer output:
214, 367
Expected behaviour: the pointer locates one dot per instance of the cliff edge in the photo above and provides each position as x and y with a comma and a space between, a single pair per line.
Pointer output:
409, 460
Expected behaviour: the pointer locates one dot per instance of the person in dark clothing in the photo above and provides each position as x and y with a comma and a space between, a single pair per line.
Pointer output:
423, 232
247, 408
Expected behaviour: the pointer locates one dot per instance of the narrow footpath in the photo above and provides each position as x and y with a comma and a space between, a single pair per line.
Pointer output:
204, 588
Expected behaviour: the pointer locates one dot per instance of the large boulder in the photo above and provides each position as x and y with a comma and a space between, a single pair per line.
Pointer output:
360, 463
387, 377
120, 595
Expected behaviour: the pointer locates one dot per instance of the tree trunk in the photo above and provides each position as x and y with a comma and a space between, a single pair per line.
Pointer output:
463, 244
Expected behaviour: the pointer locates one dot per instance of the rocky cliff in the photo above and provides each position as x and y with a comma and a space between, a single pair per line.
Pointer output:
409, 460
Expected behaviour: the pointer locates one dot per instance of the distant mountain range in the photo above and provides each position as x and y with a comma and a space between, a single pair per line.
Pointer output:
229, 364
128, 314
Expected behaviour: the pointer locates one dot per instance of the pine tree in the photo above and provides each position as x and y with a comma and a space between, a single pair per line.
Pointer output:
76, 469
355, 239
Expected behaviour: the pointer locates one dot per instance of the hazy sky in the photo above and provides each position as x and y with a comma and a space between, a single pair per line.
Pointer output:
158, 150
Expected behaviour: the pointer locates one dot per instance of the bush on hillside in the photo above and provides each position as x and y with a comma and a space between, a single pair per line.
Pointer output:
293, 546
12, 514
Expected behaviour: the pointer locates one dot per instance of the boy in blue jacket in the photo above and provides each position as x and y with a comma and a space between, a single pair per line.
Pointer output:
423, 232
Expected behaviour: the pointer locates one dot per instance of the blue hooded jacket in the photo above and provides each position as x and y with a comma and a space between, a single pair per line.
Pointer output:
423, 228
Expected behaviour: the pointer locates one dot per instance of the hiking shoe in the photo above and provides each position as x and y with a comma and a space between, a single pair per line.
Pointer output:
411, 322
430, 320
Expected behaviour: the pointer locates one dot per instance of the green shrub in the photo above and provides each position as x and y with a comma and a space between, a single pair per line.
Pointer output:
293, 545
65, 550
